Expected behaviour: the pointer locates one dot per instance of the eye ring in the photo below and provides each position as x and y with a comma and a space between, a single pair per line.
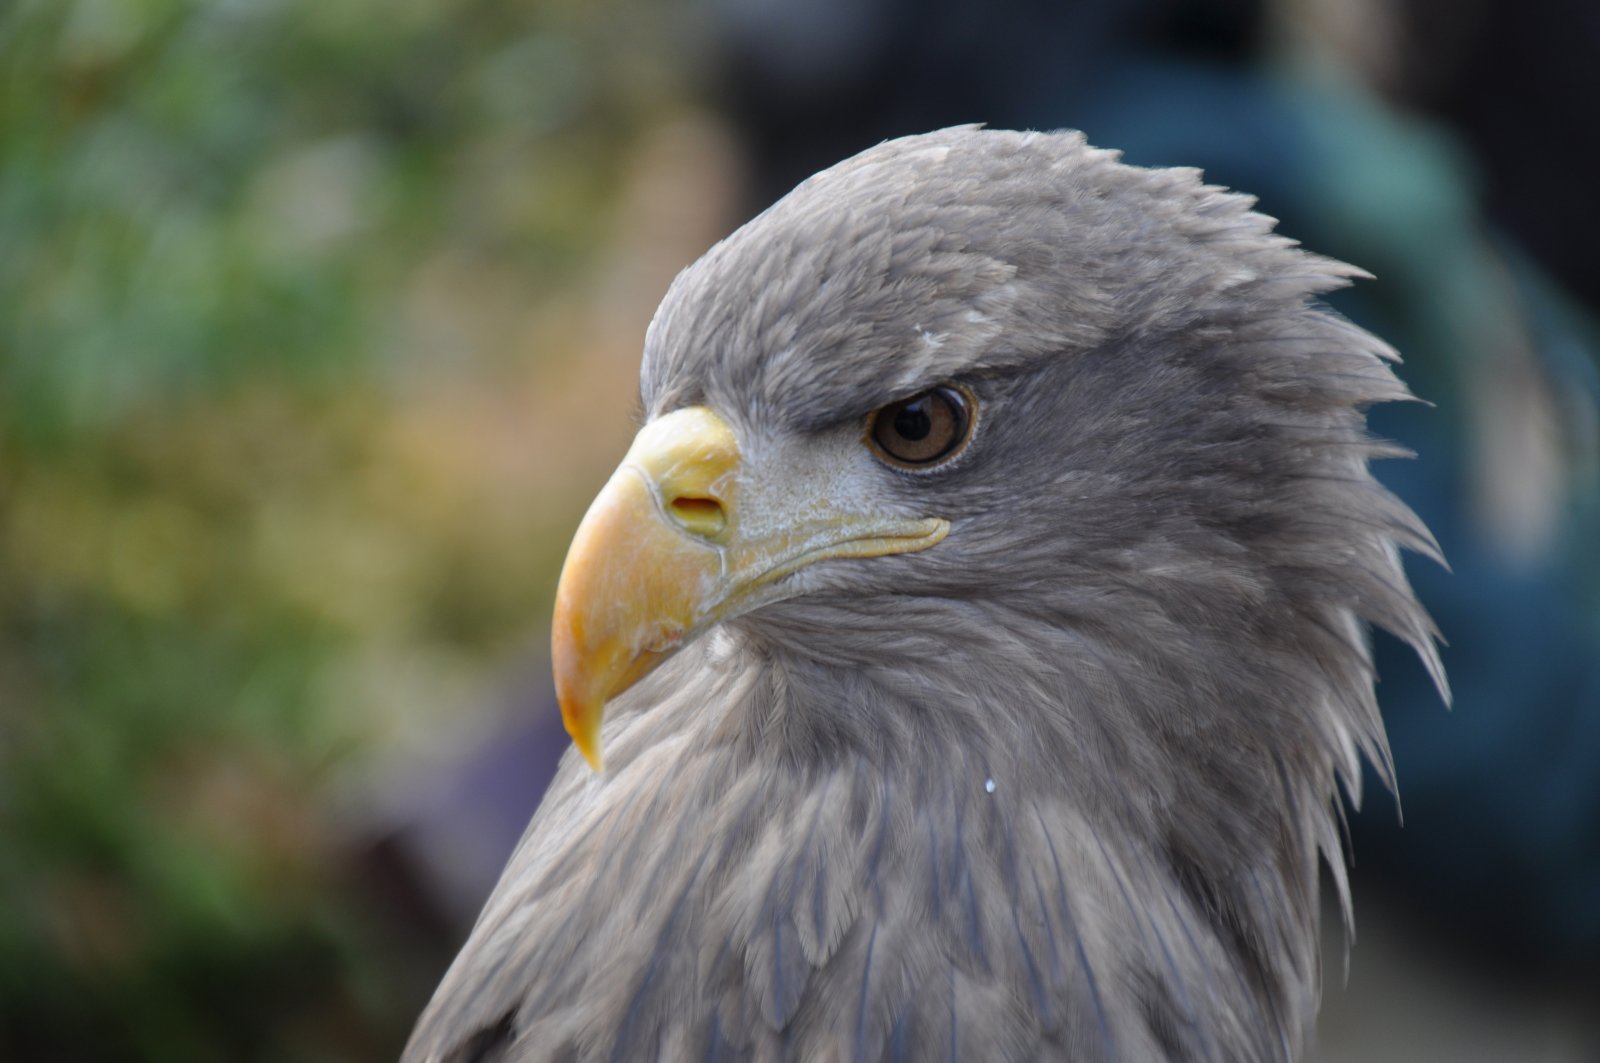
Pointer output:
925, 430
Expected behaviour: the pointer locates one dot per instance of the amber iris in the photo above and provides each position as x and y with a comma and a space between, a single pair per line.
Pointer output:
924, 430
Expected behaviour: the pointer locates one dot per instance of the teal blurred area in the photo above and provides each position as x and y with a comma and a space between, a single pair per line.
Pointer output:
295, 297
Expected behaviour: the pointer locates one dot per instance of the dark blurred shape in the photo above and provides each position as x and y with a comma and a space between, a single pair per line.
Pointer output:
809, 84
1519, 84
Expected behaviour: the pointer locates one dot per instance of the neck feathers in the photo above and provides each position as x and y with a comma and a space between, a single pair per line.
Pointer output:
814, 893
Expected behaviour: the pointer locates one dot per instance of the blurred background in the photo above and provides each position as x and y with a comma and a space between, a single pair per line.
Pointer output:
319, 327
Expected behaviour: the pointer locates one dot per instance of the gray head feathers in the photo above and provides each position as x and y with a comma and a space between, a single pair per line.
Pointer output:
1058, 787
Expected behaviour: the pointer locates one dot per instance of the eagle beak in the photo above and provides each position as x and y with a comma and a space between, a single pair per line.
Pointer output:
665, 551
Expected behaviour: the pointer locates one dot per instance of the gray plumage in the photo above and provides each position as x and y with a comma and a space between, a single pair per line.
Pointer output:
1147, 628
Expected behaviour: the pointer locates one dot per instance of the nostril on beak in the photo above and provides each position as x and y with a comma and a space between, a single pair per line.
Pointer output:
700, 516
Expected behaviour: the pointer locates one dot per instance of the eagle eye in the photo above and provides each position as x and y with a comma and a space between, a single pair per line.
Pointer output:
924, 430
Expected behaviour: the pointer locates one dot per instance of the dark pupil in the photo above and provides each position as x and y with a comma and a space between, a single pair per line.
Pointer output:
912, 422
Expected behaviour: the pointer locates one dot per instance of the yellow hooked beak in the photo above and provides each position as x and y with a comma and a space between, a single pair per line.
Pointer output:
665, 552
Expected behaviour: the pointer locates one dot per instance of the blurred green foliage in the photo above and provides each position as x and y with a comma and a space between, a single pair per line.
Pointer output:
213, 221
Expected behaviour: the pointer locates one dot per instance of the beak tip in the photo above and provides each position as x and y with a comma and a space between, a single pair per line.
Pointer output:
582, 721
